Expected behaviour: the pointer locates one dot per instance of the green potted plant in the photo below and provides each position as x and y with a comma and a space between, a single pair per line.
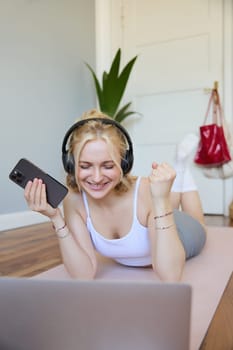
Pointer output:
114, 82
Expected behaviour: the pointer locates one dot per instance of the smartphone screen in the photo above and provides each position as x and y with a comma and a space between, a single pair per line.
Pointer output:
26, 170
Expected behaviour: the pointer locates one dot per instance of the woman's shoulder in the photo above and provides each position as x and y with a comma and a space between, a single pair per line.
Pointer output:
72, 196
74, 202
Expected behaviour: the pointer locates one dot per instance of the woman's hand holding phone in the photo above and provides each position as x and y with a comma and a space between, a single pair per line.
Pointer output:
35, 195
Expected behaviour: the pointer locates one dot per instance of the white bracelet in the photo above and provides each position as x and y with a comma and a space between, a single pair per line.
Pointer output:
163, 227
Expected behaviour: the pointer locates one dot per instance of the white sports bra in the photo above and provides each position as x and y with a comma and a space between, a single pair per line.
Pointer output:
133, 249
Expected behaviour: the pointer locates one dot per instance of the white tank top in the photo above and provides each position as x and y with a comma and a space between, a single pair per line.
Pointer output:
133, 249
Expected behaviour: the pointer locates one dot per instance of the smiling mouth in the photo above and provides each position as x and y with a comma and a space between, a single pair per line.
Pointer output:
97, 186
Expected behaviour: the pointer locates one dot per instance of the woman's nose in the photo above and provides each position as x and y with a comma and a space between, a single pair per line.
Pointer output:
97, 174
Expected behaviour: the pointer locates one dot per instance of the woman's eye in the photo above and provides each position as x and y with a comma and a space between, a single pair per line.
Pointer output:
109, 166
84, 166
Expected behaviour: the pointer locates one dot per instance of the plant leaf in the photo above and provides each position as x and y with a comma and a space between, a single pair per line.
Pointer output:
123, 113
114, 70
98, 88
123, 109
104, 78
120, 118
109, 81
124, 76
114, 87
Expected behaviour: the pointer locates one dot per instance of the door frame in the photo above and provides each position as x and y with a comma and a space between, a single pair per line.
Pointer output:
109, 38
228, 85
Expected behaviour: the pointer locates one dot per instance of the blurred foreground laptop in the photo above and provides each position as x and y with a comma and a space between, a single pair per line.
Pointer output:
93, 315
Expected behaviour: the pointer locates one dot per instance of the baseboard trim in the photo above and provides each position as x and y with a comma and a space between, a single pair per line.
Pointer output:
20, 219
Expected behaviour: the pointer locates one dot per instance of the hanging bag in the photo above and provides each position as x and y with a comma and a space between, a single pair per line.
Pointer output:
212, 149
225, 170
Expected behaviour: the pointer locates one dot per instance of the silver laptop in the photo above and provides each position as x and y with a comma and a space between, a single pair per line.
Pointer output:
93, 315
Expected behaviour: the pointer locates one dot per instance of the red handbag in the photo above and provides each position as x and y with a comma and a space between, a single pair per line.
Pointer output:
212, 148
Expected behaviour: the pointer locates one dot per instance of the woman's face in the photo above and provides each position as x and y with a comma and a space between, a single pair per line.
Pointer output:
96, 172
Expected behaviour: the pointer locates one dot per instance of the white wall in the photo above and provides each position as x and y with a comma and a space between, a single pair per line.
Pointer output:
44, 85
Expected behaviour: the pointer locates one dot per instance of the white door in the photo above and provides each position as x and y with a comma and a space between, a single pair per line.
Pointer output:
180, 53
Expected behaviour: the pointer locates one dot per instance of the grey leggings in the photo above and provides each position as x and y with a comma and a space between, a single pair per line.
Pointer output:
191, 233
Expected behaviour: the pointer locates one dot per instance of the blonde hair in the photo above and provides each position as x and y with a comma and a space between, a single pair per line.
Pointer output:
94, 130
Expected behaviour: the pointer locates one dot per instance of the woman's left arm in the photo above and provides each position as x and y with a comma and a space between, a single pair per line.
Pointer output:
168, 255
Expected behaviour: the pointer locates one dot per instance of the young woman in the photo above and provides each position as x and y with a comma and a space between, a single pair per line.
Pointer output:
135, 221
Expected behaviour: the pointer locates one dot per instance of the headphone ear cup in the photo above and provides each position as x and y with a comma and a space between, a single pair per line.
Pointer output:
127, 162
68, 163
124, 166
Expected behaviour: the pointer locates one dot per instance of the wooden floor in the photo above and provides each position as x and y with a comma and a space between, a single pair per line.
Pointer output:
27, 251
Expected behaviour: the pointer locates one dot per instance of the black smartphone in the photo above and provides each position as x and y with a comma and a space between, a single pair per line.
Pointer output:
25, 171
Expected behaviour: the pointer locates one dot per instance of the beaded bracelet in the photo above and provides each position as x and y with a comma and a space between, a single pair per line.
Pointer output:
162, 216
60, 235
60, 228
163, 227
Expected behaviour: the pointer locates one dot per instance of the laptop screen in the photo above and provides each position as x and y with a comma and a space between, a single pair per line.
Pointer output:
98, 315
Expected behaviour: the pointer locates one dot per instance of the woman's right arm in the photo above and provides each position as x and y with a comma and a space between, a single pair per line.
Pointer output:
75, 244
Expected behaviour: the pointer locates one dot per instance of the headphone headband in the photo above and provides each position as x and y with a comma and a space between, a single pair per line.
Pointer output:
68, 160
